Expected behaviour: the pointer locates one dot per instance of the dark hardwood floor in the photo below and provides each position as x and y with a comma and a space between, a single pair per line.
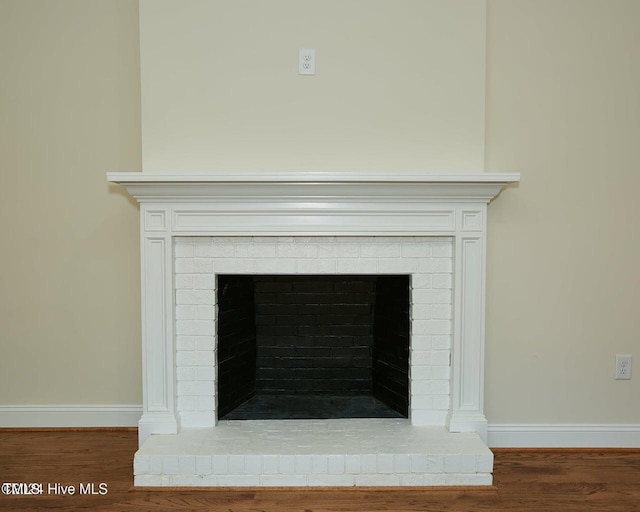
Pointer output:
525, 480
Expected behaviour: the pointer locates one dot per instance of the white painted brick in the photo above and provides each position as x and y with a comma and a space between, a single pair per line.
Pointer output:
194, 358
452, 463
185, 312
429, 387
421, 401
421, 281
205, 312
331, 480
441, 403
220, 464
401, 463
424, 480
421, 357
368, 463
422, 311
193, 266
287, 464
338, 250
253, 464
433, 326
195, 297
186, 373
148, 480
195, 388
238, 480
316, 266
184, 281
441, 372
205, 373
440, 357
442, 281
206, 402
377, 480
185, 342
186, 403
385, 463
195, 327
215, 250
470, 479
171, 465
232, 266
353, 464
396, 266
183, 249
284, 480
416, 250
303, 464
421, 342
430, 296
187, 464
484, 463
433, 265
358, 266
140, 464
256, 250
297, 250
204, 282
468, 463
380, 250
155, 464
320, 464
428, 417
275, 266
336, 464
204, 342
442, 249
270, 464
441, 342
236, 464
441, 311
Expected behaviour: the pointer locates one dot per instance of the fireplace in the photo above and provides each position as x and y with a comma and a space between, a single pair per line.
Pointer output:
216, 245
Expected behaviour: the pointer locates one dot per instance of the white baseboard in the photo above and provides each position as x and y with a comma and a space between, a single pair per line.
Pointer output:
70, 415
564, 436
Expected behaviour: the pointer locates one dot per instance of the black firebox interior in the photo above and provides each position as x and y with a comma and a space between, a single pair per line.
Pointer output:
313, 346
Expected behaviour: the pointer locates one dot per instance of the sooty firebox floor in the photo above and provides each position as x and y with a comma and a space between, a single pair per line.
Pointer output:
297, 407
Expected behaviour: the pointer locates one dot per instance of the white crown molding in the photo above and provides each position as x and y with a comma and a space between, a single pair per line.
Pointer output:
564, 436
24, 416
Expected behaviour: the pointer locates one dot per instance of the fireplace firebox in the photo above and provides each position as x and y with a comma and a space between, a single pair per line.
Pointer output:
313, 346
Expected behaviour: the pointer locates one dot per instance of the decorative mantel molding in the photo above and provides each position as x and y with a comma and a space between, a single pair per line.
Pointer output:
312, 204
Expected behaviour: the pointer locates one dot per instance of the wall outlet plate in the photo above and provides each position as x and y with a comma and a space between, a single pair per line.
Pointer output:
307, 61
623, 367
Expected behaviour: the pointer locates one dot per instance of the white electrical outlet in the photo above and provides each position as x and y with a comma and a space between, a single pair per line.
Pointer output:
623, 367
307, 61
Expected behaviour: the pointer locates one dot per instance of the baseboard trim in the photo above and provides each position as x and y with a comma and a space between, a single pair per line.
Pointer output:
564, 436
25, 416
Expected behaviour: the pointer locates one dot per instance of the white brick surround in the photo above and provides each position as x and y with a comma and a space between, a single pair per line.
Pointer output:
431, 226
429, 261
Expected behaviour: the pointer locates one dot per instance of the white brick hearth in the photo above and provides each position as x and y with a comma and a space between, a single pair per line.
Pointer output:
429, 226
367, 452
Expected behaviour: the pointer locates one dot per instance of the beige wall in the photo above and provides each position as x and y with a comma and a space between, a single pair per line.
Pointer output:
563, 104
563, 108
399, 84
69, 273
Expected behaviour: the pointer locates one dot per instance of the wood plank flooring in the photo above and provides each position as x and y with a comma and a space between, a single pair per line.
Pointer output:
525, 480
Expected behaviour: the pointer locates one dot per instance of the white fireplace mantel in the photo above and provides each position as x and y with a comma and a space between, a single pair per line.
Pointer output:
312, 204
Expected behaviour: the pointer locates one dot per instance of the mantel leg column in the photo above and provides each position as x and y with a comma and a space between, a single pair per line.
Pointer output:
467, 408
158, 379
